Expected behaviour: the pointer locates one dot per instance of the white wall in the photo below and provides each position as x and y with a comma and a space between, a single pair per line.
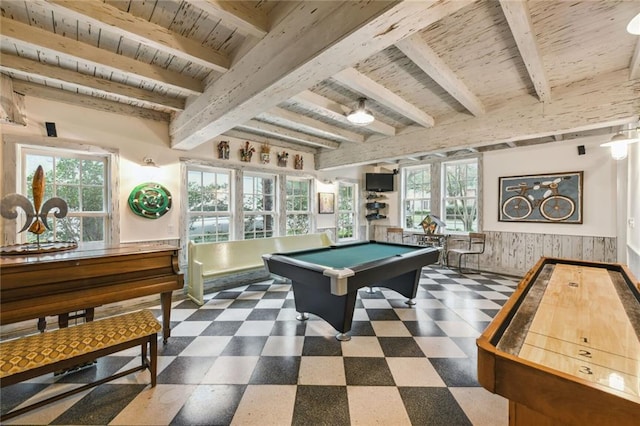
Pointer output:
135, 138
599, 185
633, 210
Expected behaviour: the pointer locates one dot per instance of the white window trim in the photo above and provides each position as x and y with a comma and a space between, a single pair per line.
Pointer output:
12, 154
443, 191
307, 212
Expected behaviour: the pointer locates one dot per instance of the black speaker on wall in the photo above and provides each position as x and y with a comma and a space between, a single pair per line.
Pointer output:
51, 129
581, 150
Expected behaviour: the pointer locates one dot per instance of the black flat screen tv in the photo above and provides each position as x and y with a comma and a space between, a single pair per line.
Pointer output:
379, 182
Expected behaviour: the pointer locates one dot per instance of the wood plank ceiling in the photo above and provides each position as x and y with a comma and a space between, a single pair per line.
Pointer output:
441, 77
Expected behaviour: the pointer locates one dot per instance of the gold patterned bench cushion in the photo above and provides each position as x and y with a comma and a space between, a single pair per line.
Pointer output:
41, 349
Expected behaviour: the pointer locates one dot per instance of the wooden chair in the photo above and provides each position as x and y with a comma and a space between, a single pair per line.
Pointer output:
475, 245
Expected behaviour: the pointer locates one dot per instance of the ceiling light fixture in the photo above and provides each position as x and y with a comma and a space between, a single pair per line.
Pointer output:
619, 144
360, 116
634, 25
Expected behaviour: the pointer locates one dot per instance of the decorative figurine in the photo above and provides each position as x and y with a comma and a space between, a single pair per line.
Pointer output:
223, 150
265, 153
282, 159
298, 162
36, 216
247, 152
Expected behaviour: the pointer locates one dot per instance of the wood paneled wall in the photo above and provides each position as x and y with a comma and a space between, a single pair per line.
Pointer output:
514, 253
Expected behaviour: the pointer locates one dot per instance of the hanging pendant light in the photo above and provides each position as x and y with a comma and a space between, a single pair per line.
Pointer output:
634, 25
360, 116
619, 144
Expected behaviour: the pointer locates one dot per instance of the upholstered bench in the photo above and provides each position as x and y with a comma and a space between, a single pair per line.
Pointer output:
32, 356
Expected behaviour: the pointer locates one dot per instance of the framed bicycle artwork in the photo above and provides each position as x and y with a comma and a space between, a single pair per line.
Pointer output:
547, 198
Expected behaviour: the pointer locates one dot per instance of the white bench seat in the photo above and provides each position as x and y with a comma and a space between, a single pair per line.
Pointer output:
213, 260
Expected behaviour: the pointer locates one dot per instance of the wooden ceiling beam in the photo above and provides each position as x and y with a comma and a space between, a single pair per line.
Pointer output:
359, 82
309, 44
519, 19
11, 104
239, 14
131, 27
57, 75
59, 95
327, 108
421, 54
300, 122
40, 39
609, 99
277, 132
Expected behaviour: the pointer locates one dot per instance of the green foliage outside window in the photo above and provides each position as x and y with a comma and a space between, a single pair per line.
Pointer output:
298, 209
417, 196
81, 182
461, 192
346, 210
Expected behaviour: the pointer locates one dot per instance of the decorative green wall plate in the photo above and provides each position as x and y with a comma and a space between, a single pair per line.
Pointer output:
150, 200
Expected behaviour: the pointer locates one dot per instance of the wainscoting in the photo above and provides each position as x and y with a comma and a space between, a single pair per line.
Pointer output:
515, 253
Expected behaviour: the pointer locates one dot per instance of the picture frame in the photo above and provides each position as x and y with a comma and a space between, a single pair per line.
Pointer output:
542, 198
326, 202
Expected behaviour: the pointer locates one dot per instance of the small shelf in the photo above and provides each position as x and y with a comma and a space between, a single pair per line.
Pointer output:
374, 207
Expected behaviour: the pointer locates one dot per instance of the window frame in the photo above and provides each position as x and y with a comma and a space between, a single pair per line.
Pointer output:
307, 212
213, 213
476, 198
430, 167
14, 145
274, 213
354, 211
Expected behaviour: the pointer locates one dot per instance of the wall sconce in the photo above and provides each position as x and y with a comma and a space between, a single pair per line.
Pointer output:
619, 144
149, 162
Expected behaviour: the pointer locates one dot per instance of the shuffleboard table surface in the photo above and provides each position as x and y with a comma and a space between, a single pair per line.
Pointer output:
565, 348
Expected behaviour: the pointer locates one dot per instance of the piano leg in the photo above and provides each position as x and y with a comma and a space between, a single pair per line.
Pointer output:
63, 319
165, 300
42, 324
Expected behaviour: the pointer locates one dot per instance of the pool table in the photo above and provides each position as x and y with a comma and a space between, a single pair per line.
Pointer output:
326, 281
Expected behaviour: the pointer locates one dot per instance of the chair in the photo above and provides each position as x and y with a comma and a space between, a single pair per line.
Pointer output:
395, 235
475, 245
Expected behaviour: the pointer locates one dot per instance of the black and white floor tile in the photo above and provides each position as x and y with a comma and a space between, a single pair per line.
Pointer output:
244, 359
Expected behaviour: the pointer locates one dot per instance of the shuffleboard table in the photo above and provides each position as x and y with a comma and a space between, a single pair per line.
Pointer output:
565, 347
326, 281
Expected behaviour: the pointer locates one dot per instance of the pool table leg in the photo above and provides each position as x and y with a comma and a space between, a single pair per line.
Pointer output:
302, 316
336, 310
343, 337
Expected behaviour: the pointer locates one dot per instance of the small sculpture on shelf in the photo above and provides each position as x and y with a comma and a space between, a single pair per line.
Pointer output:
247, 152
265, 153
298, 162
282, 159
223, 150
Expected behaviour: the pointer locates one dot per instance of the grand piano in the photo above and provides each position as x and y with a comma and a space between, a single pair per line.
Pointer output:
39, 285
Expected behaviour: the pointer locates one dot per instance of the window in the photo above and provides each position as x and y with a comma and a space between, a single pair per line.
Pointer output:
347, 213
79, 179
298, 202
460, 201
258, 205
209, 216
417, 195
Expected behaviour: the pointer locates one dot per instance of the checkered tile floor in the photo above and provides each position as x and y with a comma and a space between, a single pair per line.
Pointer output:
243, 358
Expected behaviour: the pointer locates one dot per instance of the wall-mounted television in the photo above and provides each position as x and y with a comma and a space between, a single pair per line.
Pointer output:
379, 182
